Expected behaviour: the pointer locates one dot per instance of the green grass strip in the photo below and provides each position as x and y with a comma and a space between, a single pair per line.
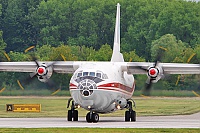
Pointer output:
97, 130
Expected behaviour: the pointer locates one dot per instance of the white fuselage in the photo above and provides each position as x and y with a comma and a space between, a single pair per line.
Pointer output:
99, 87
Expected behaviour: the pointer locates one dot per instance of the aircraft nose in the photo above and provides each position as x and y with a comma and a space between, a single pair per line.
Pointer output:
87, 87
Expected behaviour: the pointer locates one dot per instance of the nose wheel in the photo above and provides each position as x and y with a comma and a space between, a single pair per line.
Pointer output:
130, 114
92, 117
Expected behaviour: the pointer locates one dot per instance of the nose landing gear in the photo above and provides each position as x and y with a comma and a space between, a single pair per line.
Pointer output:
92, 117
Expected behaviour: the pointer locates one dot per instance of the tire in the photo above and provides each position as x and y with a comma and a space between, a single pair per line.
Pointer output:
133, 116
75, 115
127, 116
95, 117
88, 119
69, 116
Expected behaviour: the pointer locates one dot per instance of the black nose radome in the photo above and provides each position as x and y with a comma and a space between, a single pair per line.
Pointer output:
86, 93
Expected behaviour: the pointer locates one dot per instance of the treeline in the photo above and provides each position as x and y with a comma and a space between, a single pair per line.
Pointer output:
91, 23
84, 30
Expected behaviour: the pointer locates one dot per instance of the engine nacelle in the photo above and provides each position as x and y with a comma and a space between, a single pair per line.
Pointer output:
155, 73
121, 102
44, 72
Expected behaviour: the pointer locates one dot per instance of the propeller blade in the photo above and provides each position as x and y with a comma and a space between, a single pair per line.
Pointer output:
196, 94
6, 55
188, 60
31, 47
20, 85
33, 74
148, 87
51, 64
2, 90
56, 92
63, 57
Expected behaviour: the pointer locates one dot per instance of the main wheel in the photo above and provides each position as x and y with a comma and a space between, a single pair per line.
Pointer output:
75, 115
127, 116
88, 119
69, 116
95, 117
133, 115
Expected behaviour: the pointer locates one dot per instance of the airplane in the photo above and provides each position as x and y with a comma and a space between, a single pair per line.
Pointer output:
102, 87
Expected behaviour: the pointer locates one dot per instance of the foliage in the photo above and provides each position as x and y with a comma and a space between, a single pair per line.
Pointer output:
83, 30
2, 47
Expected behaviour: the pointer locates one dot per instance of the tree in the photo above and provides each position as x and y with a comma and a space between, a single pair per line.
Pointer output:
18, 32
132, 56
104, 53
83, 53
174, 48
2, 47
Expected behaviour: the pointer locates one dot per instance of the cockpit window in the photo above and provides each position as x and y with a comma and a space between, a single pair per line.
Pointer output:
92, 74
98, 75
85, 73
104, 76
79, 74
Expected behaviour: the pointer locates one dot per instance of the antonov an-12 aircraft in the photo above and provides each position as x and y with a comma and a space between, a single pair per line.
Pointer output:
102, 87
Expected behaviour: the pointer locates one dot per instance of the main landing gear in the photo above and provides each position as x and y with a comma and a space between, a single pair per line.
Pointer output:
72, 113
130, 115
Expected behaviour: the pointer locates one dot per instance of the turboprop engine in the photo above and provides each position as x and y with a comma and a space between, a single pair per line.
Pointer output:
44, 72
155, 73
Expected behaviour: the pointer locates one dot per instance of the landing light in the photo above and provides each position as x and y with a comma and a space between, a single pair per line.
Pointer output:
118, 107
89, 107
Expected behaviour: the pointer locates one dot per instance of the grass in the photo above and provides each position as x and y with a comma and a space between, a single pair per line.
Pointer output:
97, 130
44, 92
148, 106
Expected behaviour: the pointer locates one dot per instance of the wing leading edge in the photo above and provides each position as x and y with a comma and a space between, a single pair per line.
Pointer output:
59, 66
168, 68
130, 67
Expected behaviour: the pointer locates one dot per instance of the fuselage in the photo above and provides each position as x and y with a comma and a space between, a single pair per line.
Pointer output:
101, 87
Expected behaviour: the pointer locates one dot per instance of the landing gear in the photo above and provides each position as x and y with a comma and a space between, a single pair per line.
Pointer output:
72, 113
92, 117
130, 115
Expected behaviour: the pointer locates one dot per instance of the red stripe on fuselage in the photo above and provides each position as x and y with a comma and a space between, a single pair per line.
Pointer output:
112, 86
116, 90
72, 86
118, 85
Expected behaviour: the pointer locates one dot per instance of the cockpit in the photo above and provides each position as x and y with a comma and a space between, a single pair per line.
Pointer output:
98, 74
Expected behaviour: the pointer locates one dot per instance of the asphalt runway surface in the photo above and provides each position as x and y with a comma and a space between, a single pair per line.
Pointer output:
180, 121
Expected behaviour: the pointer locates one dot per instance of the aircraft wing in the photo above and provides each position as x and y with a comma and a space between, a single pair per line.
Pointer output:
168, 68
58, 66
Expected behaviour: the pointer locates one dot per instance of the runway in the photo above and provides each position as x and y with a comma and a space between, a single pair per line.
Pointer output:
180, 121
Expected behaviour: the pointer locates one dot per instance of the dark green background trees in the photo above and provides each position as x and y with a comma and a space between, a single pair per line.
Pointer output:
83, 30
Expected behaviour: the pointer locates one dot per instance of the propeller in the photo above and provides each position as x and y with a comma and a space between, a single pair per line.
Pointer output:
43, 73
152, 72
